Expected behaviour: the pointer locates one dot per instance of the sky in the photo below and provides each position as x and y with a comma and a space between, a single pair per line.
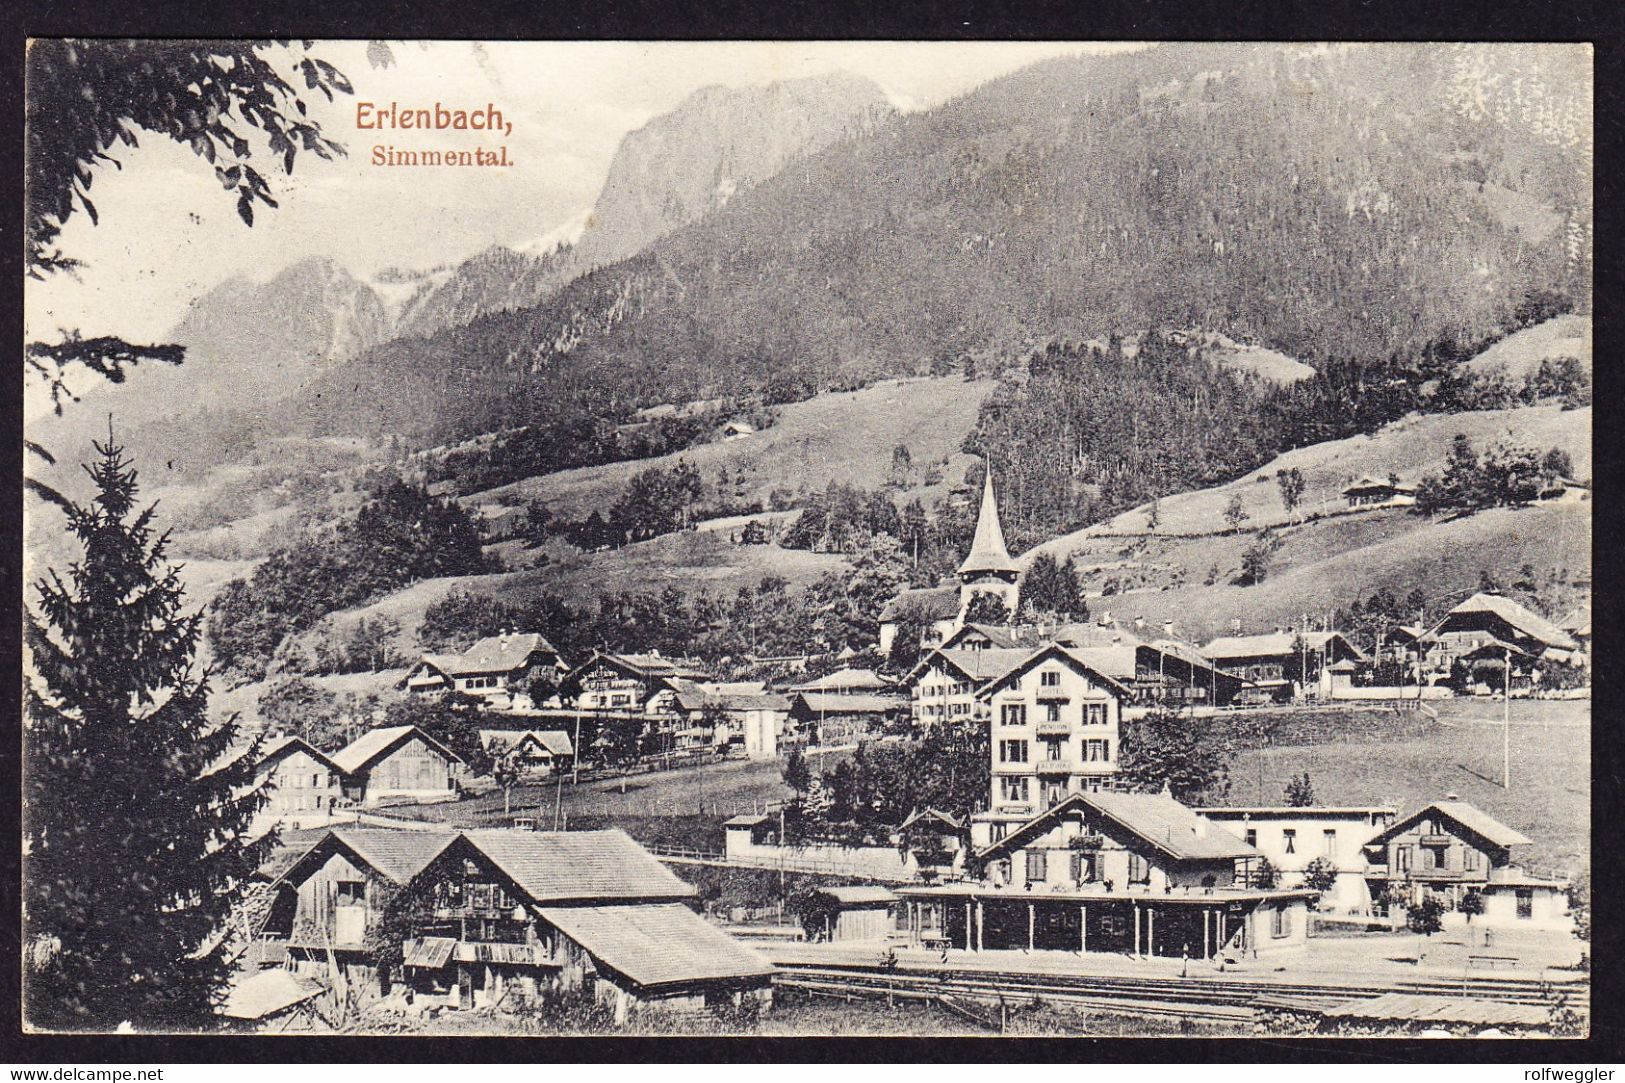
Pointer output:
168, 233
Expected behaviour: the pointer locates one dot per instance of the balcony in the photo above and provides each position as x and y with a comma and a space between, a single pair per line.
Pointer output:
1438, 840
1056, 767
1055, 727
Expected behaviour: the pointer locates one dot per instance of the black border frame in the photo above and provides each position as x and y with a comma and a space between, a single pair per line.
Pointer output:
1369, 20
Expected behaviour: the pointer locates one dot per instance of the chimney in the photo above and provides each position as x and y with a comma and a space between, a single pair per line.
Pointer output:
1168, 629
1235, 625
1451, 797
1139, 624
1106, 619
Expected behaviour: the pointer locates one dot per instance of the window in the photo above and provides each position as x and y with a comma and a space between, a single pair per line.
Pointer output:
1280, 922
1050, 678
1526, 903
1097, 751
1013, 714
1330, 837
1289, 839
1014, 789
1252, 836
1469, 859
315, 782
1083, 868
1438, 857
351, 892
1052, 750
1037, 866
1052, 712
1095, 714
1114, 924
1013, 751
1139, 870
1402, 859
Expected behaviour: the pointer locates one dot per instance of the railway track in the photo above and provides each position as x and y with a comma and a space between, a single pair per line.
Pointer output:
1168, 998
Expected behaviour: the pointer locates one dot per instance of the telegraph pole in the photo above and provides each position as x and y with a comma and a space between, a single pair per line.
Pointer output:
1506, 721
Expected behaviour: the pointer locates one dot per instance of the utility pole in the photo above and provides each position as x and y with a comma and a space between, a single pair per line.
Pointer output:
575, 761
1506, 721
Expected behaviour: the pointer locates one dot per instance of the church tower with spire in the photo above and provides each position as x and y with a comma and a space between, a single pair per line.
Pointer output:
988, 569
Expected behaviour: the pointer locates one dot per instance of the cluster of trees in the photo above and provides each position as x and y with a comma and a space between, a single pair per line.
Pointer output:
1083, 433
866, 797
602, 435
400, 535
843, 517
834, 612
1503, 476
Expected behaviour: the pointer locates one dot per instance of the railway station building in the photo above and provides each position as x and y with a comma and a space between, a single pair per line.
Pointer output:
1122, 873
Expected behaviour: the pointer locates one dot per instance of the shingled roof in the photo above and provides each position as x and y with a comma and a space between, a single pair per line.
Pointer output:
394, 854
277, 747
923, 603
1522, 619
578, 866
1156, 818
1471, 817
375, 744
659, 944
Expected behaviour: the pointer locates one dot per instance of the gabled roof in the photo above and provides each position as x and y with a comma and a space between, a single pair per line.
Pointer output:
1078, 659
845, 680
947, 819
375, 744
278, 747
924, 603
1156, 818
1000, 636
577, 866
1529, 623
830, 703
860, 895
396, 855
661, 944
1471, 817
977, 666
697, 698
1273, 643
987, 551
501, 654
555, 741
652, 667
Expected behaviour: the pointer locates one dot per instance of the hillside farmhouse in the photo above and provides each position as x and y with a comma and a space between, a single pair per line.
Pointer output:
1276, 662
1371, 492
1490, 629
539, 752
497, 669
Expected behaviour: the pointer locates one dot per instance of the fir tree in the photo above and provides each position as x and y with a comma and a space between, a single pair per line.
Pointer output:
137, 804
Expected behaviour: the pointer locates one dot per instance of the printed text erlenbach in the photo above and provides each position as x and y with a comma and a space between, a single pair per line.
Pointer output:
371, 116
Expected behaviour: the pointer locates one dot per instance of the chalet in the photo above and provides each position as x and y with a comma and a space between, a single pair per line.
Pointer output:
830, 718
1162, 671
1451, 849
634, 683
1371, 492
846, 682
935, 609
1487, 627
539, 752
1292, 838
507, 914
498, 669
500, 522
737, 714
942, 685
936, 841
1125, 873
1054, 719
398, 765
1273, 663
737, 430
335, 893
305, 786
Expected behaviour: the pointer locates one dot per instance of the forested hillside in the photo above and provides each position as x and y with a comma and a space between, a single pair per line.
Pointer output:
1306, 199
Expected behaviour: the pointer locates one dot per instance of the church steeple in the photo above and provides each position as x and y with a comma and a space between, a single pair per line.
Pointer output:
988, 557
